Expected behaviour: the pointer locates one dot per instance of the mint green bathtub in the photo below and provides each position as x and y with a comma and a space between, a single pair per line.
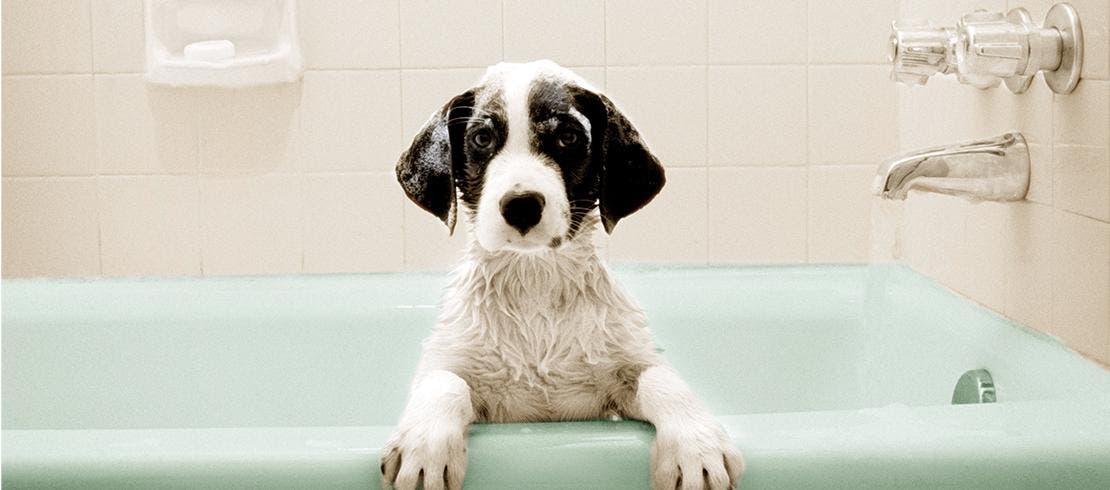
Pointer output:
826, 376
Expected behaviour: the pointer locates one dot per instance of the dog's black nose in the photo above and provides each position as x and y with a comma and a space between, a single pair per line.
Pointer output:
522, 211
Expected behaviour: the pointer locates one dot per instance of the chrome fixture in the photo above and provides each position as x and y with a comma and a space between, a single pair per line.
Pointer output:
975, 386
995, 169
986, 47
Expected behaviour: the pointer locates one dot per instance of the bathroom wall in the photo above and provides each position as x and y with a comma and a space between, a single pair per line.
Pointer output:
1044, 262
769, 115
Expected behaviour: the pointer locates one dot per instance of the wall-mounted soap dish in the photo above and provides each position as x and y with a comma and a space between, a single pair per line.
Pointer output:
222, 43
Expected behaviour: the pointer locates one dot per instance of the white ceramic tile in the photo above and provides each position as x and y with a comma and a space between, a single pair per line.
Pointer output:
839, 203
983, 267
1095, 18
853, 114
50, 227
569, 32
149, 225
351, 120
934, 236
1082, 180
46, 36
249, 130
1028, 247
595, 75
667, 105
428, 247
757, 32
441, 33
425, 92
1105, 359
353, 223
947, 12
672, 227
850, 33
1081, 171
49, 125
921, 125
118, 36
887, 223
757, 115
350, 33
251, 224
1083, 116
757, 214
655, 32
1080, 310
144, 129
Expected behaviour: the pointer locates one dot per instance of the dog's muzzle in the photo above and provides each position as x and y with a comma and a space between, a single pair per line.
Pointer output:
522, 210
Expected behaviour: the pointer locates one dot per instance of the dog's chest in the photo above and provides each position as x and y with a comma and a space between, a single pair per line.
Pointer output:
540, 368
542, 341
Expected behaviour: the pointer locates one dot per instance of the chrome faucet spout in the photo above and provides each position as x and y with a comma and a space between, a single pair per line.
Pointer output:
995, 169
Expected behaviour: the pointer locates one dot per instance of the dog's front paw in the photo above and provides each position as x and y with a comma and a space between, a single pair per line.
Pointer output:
431, 454
694, 456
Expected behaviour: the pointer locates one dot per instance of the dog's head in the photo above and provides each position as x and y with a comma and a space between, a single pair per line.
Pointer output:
530, 151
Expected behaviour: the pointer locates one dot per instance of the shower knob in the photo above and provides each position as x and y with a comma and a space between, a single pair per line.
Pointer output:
988, 47
919, 51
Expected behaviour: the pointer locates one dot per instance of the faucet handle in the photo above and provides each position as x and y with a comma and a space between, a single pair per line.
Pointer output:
987, 47
990, 45
918, 51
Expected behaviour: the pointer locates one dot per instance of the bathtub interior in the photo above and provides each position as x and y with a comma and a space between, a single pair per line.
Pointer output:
340, 350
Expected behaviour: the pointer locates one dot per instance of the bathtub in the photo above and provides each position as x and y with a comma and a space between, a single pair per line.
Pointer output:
825, 376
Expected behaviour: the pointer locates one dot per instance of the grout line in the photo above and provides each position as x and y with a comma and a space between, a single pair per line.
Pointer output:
401, 129
99, 229
806, 196
96, 145
303, 201
605, 49
1080, 215
92, 42
45, 75
705, 161
197, 175
483, 66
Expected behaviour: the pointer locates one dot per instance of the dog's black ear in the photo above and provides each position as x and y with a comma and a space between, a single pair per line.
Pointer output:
426, 169
630, 175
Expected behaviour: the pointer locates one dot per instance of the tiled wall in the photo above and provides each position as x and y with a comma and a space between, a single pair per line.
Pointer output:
746, 103
1045, 261
770, 116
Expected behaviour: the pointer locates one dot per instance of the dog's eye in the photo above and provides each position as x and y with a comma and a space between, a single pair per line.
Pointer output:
567, 139
482, 138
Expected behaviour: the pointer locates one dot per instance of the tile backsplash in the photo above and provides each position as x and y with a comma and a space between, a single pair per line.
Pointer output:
1044, 262
299, 178
770, 130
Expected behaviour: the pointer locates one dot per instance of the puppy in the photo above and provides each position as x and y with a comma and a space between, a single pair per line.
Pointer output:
533, 326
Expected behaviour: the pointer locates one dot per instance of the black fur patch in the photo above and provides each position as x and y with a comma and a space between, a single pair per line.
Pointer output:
553, 127
471, 166
630, 175
425, 170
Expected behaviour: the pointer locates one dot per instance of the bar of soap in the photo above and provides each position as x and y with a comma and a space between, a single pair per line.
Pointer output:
217, 50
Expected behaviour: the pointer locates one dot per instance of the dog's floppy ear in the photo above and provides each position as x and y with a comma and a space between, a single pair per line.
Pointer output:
427, 169
630, 174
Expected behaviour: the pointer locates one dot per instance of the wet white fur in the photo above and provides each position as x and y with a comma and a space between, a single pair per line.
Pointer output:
545, 335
